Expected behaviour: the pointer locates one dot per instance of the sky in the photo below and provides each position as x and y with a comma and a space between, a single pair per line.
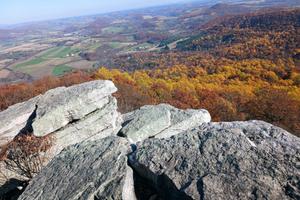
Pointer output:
19, 11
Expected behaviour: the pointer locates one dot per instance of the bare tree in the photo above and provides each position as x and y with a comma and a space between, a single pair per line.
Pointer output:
26, 155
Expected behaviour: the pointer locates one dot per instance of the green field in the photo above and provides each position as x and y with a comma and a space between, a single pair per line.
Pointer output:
48, 53
117, 45
59, 52
63, 52
61, 70
55, 52
34, 61
94, 46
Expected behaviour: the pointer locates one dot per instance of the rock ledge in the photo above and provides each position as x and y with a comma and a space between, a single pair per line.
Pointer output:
154, 153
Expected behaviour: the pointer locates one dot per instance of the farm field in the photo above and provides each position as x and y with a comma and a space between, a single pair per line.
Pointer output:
61, 70
49, 62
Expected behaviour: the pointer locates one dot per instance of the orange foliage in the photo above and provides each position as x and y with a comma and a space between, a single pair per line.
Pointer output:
247, 90
242, 90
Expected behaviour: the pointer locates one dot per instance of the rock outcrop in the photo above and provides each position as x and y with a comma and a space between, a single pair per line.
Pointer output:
69, 115
234, 160
62, 106
90, 170
239, 160
160, 121
82, 112
160, 152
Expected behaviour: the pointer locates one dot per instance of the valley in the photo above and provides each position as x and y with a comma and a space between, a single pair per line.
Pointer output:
34, 50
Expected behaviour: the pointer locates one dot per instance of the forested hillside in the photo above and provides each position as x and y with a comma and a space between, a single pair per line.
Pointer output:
267, 34
241, 91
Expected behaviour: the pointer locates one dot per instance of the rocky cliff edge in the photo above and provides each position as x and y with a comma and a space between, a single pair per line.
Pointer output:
155, 152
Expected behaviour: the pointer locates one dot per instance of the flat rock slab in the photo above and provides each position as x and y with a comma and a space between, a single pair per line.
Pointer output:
103, 122
147, 122
160, 121
90, 170
61, 106
239, 160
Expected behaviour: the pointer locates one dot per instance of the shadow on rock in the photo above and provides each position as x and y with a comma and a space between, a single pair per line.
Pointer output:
12, 189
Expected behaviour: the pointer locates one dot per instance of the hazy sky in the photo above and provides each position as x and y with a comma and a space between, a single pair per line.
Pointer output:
16, 11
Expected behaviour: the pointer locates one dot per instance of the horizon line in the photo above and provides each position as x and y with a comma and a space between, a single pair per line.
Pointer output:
9, 25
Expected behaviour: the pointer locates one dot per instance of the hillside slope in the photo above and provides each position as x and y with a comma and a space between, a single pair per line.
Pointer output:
266, 35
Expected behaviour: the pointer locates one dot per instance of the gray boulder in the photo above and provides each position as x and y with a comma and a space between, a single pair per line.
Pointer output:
239, 160
90, 170
103, 122
160, 121
62, 106
70, 114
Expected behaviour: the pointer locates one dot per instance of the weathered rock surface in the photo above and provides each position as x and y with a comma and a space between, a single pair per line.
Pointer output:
90, 170
81, 112
239, 160
62, 106
71, 115
236, 160
101, 123
160, 121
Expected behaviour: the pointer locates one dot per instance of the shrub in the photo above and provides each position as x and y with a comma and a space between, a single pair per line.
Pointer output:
26, 155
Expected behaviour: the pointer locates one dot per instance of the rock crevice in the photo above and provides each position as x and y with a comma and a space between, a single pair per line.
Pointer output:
28, 126
149, 185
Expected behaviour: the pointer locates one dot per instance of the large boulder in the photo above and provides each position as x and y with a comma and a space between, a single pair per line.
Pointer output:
59, 107
239, 160
160, 121
69, 115
90, 170
73, 114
